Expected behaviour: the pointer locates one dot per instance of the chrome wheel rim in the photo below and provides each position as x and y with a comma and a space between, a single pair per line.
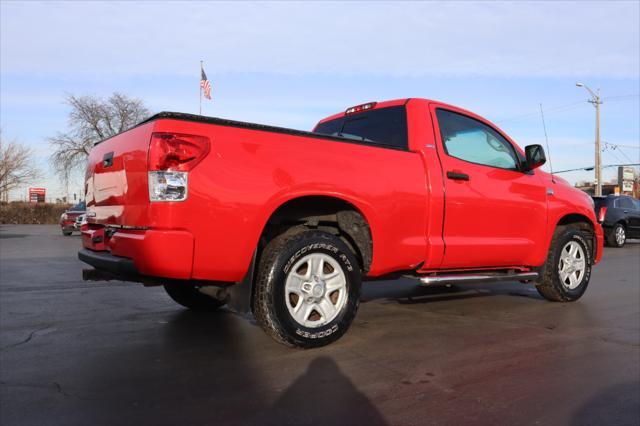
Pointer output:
572, 265
315, 290
620, 235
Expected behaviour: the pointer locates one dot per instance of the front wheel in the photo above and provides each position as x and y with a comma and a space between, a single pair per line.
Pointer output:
567, 271
307, 290
618, 236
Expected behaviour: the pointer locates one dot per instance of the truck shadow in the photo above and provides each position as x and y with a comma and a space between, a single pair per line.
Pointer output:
323, 395
209, 368
223, 369
615, 405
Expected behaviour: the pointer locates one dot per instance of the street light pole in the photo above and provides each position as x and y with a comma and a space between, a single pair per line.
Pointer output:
596, 101
598, 190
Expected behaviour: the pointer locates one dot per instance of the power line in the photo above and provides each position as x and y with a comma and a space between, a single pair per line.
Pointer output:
621, 97
558, 108
567, 107
589, 168
624, 146
624, 155
616, 147
612, 154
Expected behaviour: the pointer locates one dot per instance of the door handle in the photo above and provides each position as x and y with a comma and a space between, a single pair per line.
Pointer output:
457, 176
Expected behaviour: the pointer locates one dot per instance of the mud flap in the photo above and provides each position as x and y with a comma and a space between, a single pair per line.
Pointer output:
241, 294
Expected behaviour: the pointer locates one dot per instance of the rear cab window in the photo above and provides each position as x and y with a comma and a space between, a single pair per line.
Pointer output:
599, 202
385, 127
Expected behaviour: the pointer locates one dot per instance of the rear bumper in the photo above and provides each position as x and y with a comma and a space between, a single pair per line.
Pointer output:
118, 266
157, 253
68, 225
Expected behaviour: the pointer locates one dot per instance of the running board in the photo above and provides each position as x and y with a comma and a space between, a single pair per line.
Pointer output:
476, 278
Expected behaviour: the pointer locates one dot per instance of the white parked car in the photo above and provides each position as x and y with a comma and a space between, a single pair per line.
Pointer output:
79, 221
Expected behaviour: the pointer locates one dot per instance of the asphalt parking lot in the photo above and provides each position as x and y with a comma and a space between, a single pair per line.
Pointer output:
75, 353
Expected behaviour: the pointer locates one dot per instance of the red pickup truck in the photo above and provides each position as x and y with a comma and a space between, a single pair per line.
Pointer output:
288, 223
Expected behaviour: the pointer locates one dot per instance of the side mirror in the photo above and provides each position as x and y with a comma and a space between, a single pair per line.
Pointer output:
535, 157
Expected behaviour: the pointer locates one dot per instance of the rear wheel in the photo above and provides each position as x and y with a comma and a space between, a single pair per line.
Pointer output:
567, 271
308, 289
192, 297
67, 233
617, 237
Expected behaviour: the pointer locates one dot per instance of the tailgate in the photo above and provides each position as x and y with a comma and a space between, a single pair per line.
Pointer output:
116, 179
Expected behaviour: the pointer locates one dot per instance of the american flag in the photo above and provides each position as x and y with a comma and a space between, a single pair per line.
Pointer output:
205, 85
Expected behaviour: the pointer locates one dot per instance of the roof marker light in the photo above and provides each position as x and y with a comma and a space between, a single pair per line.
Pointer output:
360, 108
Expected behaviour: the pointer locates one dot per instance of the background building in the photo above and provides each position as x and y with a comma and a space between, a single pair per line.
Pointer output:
627, 183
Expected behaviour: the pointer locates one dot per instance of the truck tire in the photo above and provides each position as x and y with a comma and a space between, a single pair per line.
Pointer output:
191, 297
566, 273
307, 289
617, 237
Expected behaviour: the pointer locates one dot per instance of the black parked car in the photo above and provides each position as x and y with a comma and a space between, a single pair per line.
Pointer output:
620, 218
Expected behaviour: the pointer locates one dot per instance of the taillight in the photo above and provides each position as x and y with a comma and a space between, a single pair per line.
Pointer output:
601, 214
171, 156
176, 151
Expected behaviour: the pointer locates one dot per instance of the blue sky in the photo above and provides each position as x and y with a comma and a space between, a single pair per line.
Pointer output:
290, 64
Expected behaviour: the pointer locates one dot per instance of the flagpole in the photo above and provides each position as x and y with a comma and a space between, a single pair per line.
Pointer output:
200, 85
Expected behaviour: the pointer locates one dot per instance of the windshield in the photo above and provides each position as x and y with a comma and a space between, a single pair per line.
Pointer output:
384, 126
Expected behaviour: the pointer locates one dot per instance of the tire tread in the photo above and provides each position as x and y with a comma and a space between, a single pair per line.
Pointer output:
261, 299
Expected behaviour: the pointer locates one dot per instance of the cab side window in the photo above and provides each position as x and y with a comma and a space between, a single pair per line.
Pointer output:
475, 142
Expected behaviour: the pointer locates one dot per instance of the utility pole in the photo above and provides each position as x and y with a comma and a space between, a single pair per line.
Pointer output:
596, 101
598, 169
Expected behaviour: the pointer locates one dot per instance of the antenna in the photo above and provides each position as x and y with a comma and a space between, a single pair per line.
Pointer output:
546, 138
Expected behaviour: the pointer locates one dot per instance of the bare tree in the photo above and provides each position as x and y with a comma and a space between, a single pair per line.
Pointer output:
91, 120
16, 166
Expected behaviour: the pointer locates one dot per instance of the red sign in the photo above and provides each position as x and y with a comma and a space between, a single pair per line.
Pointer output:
36, 195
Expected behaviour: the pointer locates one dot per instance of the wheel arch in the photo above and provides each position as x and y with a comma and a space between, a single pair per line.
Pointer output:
623, 221
577, 219
331, 213
286, 215
582, 222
